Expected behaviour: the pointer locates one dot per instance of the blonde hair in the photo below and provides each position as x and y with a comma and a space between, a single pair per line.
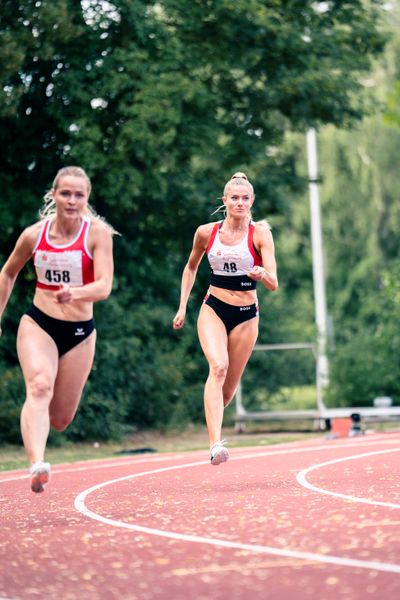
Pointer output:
237, 178
49, 209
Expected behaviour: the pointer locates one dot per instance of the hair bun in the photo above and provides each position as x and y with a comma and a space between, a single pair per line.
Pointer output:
239, 175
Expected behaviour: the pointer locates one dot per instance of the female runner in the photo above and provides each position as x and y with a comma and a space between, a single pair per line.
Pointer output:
71, 249
241, 254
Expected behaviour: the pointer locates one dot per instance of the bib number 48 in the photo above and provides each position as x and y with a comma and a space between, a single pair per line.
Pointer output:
230, 267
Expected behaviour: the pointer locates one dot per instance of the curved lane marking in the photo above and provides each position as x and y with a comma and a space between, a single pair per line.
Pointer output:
163, 458
308, 556
302, 479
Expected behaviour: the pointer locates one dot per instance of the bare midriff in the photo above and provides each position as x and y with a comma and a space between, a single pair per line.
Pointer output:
45, 300
236, 298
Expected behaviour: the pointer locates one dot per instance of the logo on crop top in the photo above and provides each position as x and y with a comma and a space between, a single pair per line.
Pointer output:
79, 331
245, 283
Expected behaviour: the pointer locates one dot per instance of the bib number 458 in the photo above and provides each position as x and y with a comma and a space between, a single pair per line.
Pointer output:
56, 276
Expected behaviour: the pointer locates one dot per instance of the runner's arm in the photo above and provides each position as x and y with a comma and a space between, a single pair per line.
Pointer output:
103, 265
190, 272
264, 243
15, 262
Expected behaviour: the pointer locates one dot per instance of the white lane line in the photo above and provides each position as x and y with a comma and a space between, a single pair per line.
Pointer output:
89, 467
127, 462
302, 479
308, 556
163, 458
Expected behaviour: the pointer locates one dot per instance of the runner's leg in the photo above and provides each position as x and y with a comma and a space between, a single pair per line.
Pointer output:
73, 371
241, 342
213, 341
38, 357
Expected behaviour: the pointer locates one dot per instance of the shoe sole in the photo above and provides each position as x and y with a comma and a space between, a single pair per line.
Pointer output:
221, 457
39, 480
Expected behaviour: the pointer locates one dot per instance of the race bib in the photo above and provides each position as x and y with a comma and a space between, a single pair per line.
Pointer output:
55, 268
231, 262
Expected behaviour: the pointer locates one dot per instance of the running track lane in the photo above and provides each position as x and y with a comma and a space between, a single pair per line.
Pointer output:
310, 520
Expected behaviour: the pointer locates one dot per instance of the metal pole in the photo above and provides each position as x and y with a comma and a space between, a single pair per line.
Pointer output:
239, 402
318, 265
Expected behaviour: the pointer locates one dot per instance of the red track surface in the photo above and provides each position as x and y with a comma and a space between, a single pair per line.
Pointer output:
262, 526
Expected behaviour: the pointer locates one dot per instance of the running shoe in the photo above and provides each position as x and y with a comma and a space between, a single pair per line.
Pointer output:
219, 453
40, 475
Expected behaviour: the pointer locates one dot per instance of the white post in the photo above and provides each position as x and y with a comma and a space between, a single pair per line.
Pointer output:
239, 402
318, 264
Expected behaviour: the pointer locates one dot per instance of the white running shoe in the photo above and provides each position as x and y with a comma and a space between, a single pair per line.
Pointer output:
219, 453
40, 475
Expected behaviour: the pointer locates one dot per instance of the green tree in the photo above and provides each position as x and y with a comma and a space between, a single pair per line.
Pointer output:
368, 365
361, 215
161, 102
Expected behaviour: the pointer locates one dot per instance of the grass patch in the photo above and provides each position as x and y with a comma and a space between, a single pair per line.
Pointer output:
13, 457
297, 397
190, 439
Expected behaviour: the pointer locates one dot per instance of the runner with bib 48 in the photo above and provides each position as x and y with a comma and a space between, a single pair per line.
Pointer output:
240, 253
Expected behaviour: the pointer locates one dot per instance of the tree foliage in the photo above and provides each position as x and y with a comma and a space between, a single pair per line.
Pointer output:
361, 217
160, 102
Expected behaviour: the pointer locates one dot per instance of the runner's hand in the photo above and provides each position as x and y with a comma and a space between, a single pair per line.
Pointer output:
179, 319
64, 294
257, 273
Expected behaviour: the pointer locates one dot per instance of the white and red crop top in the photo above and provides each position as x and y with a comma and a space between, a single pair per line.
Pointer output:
230, 264
70, 263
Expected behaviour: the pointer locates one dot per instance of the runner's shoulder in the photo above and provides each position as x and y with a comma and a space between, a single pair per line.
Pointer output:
100, 231
262, 225
203, 233
30, 234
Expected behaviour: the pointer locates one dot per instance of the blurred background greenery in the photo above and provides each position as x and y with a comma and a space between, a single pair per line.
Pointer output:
161, 102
